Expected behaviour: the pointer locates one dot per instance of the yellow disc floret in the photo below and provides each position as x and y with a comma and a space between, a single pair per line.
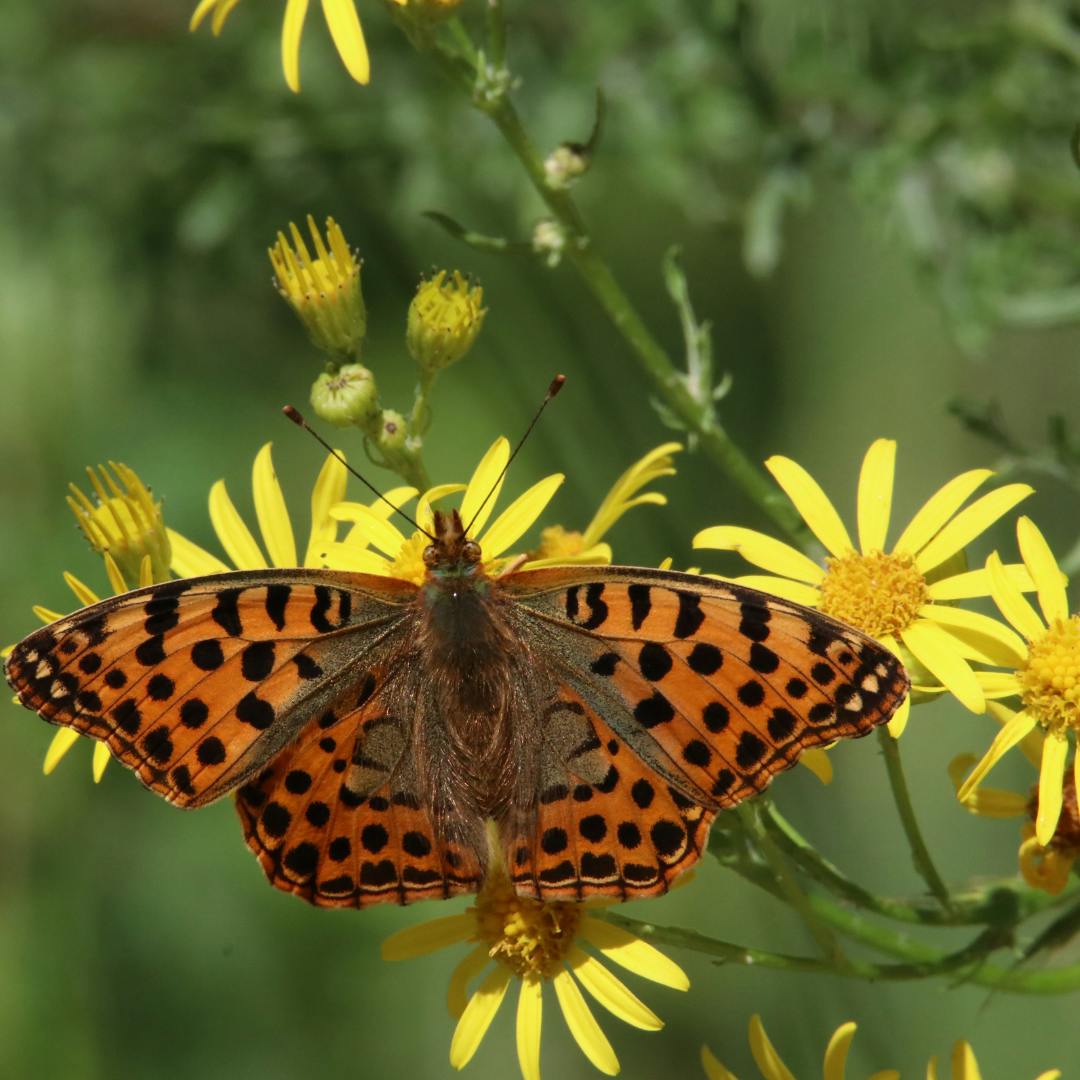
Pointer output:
409, 564
880, 594
557, 542
1050, 679
531, 937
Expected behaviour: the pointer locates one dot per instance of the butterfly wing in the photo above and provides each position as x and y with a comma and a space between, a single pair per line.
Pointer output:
196, 684
713, 688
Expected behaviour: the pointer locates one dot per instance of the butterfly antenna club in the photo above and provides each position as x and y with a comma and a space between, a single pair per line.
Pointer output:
295, 416
552, 390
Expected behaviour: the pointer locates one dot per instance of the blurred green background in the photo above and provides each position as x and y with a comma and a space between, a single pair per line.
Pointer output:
878, 212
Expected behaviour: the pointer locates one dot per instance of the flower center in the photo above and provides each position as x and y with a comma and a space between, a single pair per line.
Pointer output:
880, 594
559, 543
1050, 680
530, 937
409, 564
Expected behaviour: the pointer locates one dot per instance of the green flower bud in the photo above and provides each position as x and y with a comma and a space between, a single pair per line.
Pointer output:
394, 433
324, 291
445, 317
347, 397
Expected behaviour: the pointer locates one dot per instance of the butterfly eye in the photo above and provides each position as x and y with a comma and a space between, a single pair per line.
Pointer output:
470, 551
431, 556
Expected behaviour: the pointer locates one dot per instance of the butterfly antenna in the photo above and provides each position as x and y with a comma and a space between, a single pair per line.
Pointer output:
294, 415
552, 390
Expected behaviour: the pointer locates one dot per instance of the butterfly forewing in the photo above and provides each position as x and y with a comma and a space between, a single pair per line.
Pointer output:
196, 684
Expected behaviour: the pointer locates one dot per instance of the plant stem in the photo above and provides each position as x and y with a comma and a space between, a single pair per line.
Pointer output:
920, 854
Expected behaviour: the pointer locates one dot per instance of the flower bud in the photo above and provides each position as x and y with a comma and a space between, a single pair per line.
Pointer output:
445, 317
123, 521
549, 240
347, 396
325, 291
565, 164
394, 433
434, 10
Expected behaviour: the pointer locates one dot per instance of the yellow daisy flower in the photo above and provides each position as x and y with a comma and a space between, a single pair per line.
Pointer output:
903, 597
341, 20
1043, 866
559, 545
400, 556
1046, 674
537, 942
275, 526
772, 1067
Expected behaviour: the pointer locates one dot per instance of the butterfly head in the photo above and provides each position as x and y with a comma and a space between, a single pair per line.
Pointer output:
451, 552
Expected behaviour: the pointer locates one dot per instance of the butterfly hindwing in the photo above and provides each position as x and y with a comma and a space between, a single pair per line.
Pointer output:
196, 684
714, 686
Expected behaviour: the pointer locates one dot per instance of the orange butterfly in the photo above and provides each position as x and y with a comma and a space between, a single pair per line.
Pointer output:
371, 726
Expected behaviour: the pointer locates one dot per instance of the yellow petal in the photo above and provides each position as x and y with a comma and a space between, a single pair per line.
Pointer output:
582, 1024
1031, 745
630, 952
190, 560
819, 763
1011, 602
969, 523
234, 535
766, 1058
941, 506
984, 801
1015, 730
837, 1051
885, 1074
1051, 775
975, 583
293, 28
271, 511
964, 1065
61, 743
529, 1015
428, 937
998, 684
713, 1069
328, 491
597, 555
354, 558
874, 500
1040, 561
424, 516
477, 1017
512, 523
610, 992
99, 761
348, 37
762, 550
371, 528
653, 466
931, 1069
989, 641
812, 503
467, 969
83, 593
116, 579
222, 13
200, 13
797, 591
46, 615
486, 479
899, 720
937, 652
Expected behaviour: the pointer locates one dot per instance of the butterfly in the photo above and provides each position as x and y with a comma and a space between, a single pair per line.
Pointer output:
371, 728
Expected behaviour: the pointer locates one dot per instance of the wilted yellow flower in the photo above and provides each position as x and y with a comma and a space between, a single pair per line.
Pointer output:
903, 597
537, 942
124, 523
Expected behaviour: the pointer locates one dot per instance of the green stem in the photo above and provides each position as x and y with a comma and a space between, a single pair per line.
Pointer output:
920, 853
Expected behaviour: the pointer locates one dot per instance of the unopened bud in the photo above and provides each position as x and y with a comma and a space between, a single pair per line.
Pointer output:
445, 316
565, 164
394, 432
347, 396
549, 240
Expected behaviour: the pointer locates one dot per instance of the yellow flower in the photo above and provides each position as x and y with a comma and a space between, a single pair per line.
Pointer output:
341, 19
124, 523
65, 738
1046, 674
537, 942
1043, 866
325, 291
445, 317
903, 597
399, 556
275, 526
772, 1067
560, 545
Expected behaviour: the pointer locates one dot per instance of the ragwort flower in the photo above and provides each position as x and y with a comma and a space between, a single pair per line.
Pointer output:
1046, 674
537, 942
341, 20
772, 1067
903, 597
